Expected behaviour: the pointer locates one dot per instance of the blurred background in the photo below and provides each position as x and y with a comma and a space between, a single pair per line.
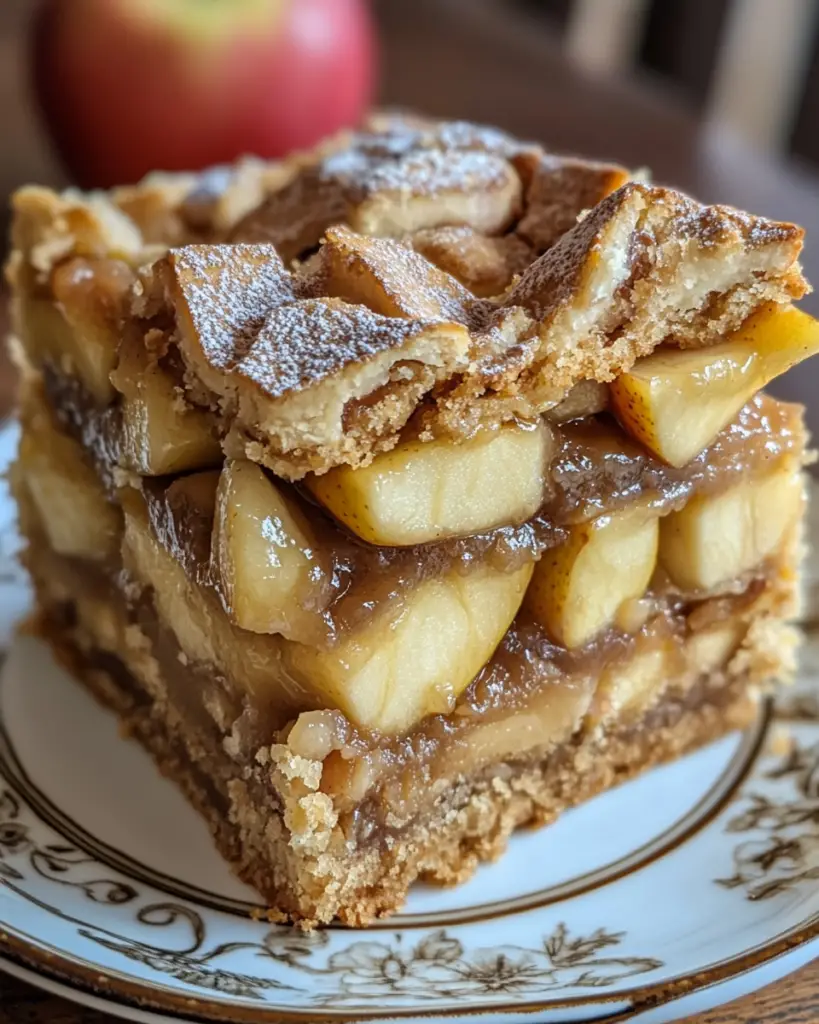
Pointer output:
719, 97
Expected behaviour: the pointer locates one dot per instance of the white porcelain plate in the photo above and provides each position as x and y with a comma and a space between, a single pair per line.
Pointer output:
689, 887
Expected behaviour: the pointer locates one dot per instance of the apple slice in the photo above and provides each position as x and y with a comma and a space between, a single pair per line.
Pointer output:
78, 329
631, 686
578, 587
160, 434
76, 515
675, 402
268, 568
707, 650
397, 670
715, 539
426, 491
181, 517
206, 637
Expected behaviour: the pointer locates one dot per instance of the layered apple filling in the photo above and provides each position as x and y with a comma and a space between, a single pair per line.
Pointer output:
628, 577
413, 500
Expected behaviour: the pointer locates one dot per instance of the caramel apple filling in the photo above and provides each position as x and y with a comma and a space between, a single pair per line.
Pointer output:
417, 494
399, 710
261, 585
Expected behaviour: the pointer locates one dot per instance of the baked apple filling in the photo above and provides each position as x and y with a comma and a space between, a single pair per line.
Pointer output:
418, 503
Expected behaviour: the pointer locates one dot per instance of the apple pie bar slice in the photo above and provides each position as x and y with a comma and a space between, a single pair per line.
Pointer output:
410, 491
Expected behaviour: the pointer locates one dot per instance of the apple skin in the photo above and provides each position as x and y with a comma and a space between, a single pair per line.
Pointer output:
124, 93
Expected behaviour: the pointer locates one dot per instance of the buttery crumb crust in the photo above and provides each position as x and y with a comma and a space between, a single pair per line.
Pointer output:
289, 849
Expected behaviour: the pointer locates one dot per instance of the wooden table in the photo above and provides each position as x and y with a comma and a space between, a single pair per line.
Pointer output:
479, 65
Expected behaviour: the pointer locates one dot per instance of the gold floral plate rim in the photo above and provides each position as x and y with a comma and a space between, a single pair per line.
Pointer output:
86, 978
708, 806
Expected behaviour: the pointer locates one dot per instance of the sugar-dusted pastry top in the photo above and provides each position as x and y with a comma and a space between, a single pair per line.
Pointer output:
413, 277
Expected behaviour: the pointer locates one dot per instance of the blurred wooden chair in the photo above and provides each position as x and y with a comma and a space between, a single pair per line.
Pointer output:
760, 67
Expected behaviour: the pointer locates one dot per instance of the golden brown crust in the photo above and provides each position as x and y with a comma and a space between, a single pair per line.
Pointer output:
560, 189
47, 228
222, 297
416, 224
283, 366
646, 266
483, 264
137, 222
389, 279
390, 182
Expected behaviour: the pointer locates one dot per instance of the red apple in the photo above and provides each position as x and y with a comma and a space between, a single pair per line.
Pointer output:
129, 86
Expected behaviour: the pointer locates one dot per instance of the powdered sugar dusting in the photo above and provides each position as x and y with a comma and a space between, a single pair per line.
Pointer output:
420, 287
450, 156
432, 172
441, 161
367, 151
414, 287
228, 292
465, 135
719, 225
410, 164
304, 343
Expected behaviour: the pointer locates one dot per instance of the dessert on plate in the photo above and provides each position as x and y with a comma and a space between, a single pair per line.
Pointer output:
409, 491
